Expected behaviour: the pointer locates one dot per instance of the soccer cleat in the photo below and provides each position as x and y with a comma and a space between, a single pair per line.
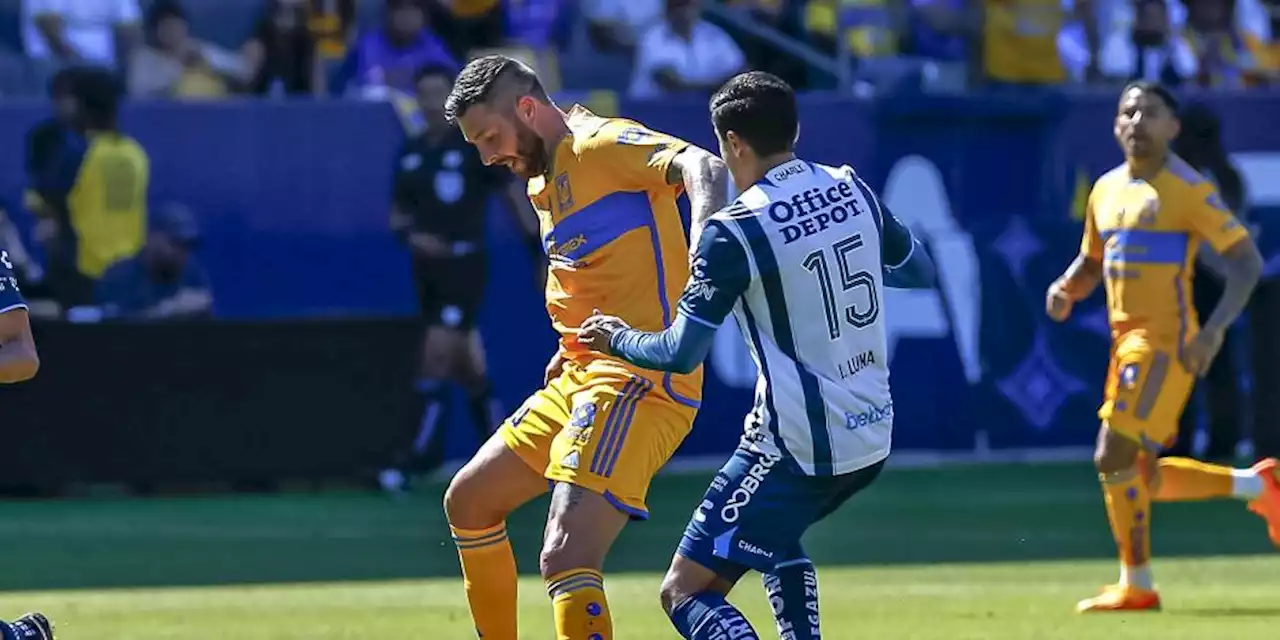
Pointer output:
1267, 505
1120, 597
32, 626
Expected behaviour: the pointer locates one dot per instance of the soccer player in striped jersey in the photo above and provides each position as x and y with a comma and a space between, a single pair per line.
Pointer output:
800, 259
18, 360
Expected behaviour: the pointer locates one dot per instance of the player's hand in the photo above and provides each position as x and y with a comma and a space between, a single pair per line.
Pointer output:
598, 330
426, 245
1198, 355
554, 368
1057, 303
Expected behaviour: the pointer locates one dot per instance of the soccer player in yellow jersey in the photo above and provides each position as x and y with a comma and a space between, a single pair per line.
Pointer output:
1145, 224
605, 193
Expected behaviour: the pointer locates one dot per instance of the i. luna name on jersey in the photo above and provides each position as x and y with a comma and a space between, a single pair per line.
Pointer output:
814, 210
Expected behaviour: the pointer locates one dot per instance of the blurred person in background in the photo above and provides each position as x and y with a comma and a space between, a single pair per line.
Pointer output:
281, 54
1260, 25
940, 30
441, 192
615, 26
865, 29
174, 64
388, 57
1224, 58
1021, 41
96, 32
1218, 395
332, 24
541, 25
684, 54
94, 190
1149, 50
785, 17
164, 281
18, 359
467, 25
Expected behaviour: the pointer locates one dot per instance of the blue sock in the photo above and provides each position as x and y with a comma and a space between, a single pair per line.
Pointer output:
708, 616
792, 589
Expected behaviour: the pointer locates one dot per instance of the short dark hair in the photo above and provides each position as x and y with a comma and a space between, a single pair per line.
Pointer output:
760, 108
1147, 86
433, 70
490, 78
98, 91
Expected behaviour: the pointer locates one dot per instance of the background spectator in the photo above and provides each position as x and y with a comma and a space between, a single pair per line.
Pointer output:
389, 56
467, 25
1224, 60
1150, 50
617, 25
784, 17
1260, 24
80, 31
332, 24
178, 65
94, 189
684, 54
537, 24
1021, 40
282, 54
164, 281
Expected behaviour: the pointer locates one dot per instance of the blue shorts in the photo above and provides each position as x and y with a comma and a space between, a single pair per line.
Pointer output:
756, 510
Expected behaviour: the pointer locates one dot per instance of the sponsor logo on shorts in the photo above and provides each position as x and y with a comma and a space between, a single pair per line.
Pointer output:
747, 487
570, 461
874, 415
1129, 376
743, 545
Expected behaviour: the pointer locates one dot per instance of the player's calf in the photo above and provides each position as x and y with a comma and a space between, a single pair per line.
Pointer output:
792, 589
581, 527
32, 626
694, 598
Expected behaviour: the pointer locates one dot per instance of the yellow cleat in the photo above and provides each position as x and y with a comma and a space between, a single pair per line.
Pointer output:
1119, 597
1267, 505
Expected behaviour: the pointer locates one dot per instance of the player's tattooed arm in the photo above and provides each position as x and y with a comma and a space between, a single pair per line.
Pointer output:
706, 181
1241, 266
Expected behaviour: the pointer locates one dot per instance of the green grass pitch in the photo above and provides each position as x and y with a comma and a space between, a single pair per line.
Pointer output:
987, 553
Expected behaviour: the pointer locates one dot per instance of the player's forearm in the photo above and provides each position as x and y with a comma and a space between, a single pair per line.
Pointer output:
679, 349
18, 358
916, 272
1242, 266
1081, 278
706, 181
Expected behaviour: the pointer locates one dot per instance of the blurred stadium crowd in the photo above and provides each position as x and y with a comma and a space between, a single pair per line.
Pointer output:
215, 48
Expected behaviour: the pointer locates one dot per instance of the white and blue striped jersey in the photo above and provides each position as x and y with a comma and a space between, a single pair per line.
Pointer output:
10, 296
798, 259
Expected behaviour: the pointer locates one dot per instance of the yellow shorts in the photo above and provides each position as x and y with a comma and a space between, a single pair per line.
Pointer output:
601, 428
1146, 390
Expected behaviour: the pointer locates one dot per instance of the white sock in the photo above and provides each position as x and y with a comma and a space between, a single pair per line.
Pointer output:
1137, 576
1245, 484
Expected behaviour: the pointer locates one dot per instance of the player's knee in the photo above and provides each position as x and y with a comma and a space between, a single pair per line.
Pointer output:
464, 501
1113, 457
676, 588
558, 556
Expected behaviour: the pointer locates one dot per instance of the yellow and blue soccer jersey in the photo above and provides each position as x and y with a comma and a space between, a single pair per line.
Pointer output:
615, 242
1146, 234
10, 295
613, 235
97, 188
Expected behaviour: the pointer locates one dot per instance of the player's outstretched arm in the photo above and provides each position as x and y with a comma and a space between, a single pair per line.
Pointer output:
679, 348
18, 359
907, 264
706, 181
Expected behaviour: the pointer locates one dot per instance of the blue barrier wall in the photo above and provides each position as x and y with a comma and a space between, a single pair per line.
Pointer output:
293, 200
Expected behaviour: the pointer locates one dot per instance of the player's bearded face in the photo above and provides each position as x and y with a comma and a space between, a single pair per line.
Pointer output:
531, 152
1144, 124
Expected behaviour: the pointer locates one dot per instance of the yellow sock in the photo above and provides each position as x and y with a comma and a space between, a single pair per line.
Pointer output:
1187, 479
489, 577
581, 611
1129, 509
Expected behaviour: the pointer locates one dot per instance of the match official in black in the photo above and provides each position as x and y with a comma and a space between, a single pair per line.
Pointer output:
441, 193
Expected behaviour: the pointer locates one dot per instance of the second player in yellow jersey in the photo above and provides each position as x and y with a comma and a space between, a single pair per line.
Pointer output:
1145, 224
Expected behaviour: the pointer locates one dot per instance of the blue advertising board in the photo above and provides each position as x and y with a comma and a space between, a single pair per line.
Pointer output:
293, 200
